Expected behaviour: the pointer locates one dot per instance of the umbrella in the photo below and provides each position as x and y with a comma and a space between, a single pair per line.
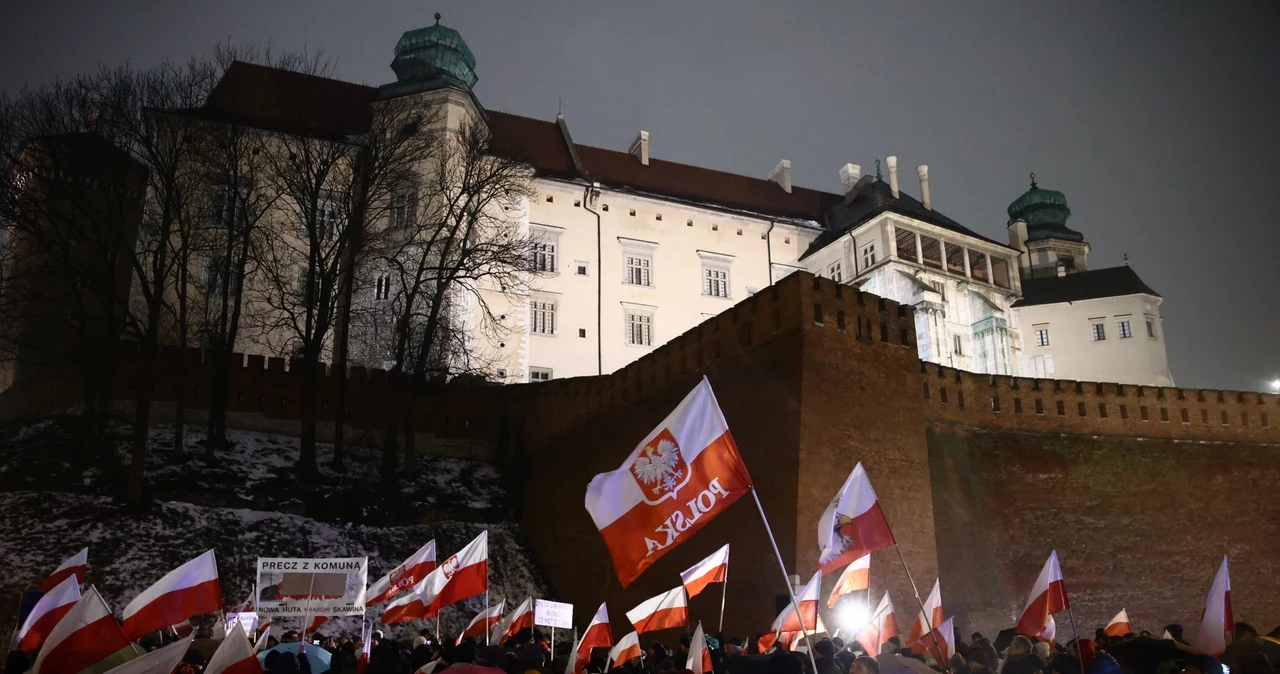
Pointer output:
1003, 639
1144, 655
318, 657
1238, 649
891, 663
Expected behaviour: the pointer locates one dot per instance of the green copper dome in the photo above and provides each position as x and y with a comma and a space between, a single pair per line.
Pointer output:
1045, 212
432, 58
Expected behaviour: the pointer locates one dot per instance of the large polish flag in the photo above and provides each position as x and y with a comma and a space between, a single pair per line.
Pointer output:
88, 640
1119, 625
464, 575
1048, 596
44, 616
409, 573
933, 608
520, 618
941, 642
484, 620
76, 565
1217, 620
159, 661
686, 472
856, 576
628, 647
234, 655
189, 590
699, 661
713, 569
882, 627
669, 609
596, 636
853, 525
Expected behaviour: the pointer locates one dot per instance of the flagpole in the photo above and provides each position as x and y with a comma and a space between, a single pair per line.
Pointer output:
927, 622
795, 604
306, 616
724, 589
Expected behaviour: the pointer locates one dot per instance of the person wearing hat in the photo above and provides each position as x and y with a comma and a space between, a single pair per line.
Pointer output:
824, 655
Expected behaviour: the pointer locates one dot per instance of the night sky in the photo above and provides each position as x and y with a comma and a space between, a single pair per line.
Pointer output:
1157, 119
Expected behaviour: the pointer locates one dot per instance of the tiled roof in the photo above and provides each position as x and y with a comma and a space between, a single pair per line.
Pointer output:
1085, 285
290, 102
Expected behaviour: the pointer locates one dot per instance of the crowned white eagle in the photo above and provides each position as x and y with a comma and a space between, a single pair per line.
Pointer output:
659, 467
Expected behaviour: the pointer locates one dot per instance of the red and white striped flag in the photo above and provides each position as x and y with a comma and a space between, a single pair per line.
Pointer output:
1048, 596
315, 623
596, 636
87, 640
932, 605
882, 627
366, 646
264, 635
189, 590
160, 661
409, 573
1050, 632
1119, 625
464, 575
684, 474
234, 655
699, 661
853, 525
520, 618
480, 624
667, 610
713, 569
1218, 620
856, 576
788, 621
628, 648
941, 642
75, 565
44, 616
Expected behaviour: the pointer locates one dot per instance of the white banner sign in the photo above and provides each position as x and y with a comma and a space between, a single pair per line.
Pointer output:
552, 614
248, 621
298, 587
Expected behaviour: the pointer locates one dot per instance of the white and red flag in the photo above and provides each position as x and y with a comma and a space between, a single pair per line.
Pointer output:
669, 609
941, 642
1048, 596
788, 621
686, 472
75, 565
597, 635
713, 569
933, 608
518, 619
853, 525
87, 640
191, 589
160, 661
628, 648
464, 575
699, 661
315, 623
409, 573
264, 635
366, 647
882, 627
235, 655
1119, 625
483, 621
44, 616
1218, 620
1050, 632
856, 576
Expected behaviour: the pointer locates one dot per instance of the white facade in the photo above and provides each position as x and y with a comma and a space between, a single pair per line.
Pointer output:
1109, 339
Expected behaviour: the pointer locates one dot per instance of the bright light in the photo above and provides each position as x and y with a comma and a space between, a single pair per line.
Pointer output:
853, 617
1275, 385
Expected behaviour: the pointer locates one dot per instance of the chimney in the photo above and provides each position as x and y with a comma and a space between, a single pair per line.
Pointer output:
923, 170
781, 174
640, 147
849, 174
893, 175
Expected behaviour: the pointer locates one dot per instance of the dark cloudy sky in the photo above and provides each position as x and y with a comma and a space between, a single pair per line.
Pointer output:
1157, 119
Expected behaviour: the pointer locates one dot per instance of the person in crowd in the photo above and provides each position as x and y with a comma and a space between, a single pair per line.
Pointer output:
734, 646
1041, 650
343, 658
978, 661
1245, 631
419, 653
865, 665
287, 663
192, 663
824, 656
1202, 664
1020, 659
1256, 663
1103, 663
785, 663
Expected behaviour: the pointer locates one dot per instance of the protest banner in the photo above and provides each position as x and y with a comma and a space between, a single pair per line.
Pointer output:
311, 587
553, 614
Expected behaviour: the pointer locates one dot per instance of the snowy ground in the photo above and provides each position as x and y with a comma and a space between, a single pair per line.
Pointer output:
245, 504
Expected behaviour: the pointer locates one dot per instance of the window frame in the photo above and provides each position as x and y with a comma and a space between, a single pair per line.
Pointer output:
637, 322
1124, 328
1098, 330
868, 255
542, 315
714, 264
641, 251
544, 244
1041, 332
535, 371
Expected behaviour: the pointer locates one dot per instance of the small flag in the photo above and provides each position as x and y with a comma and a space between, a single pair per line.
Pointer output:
485, 619
518, 619
1048, 596
882, 627
788, 621
189, 590
941, 642
234, 655
856, 576
933, 605
464, 575
1120, 626
1217, 620
596, 636
160, 661
627, 649
713, 569
75, 565
87, 638
409, 573
853, 525
669, 609
699, 661
47, 612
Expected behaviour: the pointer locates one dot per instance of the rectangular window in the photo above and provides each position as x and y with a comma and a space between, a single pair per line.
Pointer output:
404, 208
955, 259
544, 255
582, 268
638, 270
978, 266
1125, 331
958, 352
214, 283
1151, 328
715, 281
382, 287
1042, 336
542, 317
906, 240
327, 216
931, 251
834, 272
1099, 332
941, 287
868, 255
539, 374
639, 328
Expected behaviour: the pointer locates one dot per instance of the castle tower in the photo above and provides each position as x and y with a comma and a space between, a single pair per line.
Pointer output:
434, 62
1038, 227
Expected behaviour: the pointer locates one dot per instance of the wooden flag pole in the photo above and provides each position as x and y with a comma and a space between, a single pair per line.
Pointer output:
795, 603
927, 622
724, 589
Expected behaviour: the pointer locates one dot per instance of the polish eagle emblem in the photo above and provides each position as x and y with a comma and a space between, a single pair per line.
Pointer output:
450, 567
660, 469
